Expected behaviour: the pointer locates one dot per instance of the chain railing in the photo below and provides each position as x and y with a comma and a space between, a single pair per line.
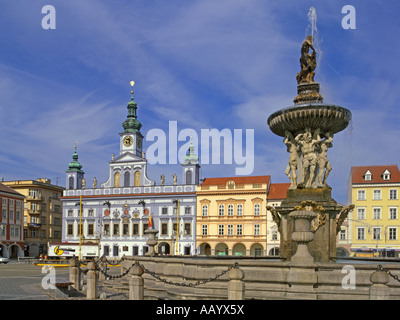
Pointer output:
394, 276
182, 284
103, 270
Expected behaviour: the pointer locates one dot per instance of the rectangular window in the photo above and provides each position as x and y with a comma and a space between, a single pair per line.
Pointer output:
188, 228
164, 210
256, 229
239, 230
70, 213
230, 210
221, 230
377, 195
205, 210
376, 233
145, 227
70, 229
106, 231
164, 229
376, 213
393, 194
125, 229
257, 209
221, 210
90, 229
230, 229
361, 195
392, 233
342, 235
204, 229
91, 213
188, 210
360, 233
393, 213
360, 213
116, 229
135, 229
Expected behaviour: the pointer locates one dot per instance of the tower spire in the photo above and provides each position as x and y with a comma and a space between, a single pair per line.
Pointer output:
131, 124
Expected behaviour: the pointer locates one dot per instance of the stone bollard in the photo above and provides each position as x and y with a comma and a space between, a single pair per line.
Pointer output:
74, 275
91, 282
379, 289
236, 286
136, 283
103, 266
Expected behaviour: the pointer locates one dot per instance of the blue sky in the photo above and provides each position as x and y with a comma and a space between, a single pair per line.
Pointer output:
205, 64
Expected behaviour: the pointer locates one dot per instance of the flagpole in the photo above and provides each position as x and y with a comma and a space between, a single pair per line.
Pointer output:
80, 226
177, 230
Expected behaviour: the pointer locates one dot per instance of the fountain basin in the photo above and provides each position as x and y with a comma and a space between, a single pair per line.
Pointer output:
326, 117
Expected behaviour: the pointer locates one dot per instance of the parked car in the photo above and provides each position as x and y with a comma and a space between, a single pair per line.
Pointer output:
4, 260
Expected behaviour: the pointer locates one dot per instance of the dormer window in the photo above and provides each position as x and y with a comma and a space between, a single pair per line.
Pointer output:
386, 175
368, 176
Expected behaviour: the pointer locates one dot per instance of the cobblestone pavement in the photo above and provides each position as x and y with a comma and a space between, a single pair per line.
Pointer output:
24, 282
21, 282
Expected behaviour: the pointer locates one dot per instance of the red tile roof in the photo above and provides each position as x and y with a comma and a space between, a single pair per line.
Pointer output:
278, 191
357, 174
7, 189
237, 180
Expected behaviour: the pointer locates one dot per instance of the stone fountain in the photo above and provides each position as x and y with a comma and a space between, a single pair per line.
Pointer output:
308, 128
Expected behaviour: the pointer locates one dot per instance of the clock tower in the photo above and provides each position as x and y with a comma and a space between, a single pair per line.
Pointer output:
131, 138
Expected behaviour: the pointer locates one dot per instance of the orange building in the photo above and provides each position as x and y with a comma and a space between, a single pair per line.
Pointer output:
231, 216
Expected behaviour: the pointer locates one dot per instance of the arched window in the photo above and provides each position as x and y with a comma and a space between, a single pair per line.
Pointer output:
127, 177
137, 178
257, 209
189, 177
230, 210
239, 209
116, 179
71, 182
221, 210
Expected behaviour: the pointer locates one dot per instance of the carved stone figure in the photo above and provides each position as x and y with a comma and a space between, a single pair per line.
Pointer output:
324, 166
94, 183
83, 183
275, 215
291, 168
342, 216
307, 143
175, 179
308, 62
162, 180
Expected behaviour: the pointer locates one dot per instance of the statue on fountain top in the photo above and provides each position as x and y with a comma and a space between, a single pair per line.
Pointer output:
307, 88
308, 62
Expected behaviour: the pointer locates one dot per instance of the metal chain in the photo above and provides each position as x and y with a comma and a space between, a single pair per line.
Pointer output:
154, 275
395, 277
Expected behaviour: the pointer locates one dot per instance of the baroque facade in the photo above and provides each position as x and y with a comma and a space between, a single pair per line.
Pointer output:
231, 216
115, 214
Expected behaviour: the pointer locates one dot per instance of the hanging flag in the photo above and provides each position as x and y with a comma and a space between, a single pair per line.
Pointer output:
150, 222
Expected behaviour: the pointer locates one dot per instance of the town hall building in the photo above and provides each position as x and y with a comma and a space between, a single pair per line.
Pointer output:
115, 214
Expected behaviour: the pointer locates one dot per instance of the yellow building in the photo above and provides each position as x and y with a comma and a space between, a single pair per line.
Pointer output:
374, 222
231, 216
42, 213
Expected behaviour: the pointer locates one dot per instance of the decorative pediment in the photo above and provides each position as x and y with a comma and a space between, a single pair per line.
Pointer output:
127, 157
386, 175
367, 176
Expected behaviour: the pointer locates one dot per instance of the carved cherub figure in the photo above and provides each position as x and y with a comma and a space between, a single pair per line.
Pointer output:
324, 166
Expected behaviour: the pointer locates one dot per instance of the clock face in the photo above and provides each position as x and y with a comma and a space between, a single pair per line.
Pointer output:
128, 141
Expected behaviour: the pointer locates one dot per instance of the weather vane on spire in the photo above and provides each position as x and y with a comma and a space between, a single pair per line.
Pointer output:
76, 142
132, 84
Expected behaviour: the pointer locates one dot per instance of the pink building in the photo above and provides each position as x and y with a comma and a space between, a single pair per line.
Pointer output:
11, 223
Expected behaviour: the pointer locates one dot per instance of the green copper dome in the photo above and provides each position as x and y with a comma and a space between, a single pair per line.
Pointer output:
74, 165
191, 157
131, 124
